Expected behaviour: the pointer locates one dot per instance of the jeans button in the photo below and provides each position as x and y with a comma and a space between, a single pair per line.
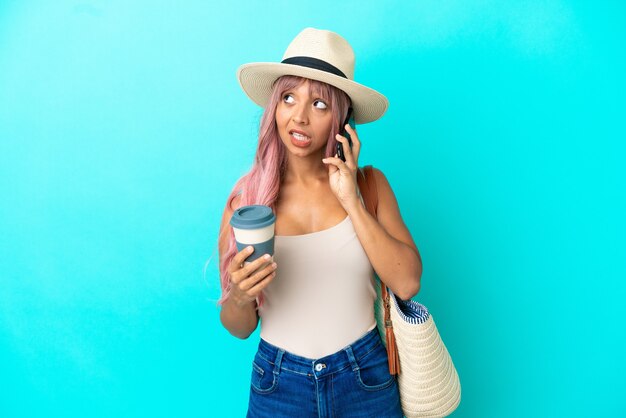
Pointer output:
319, 367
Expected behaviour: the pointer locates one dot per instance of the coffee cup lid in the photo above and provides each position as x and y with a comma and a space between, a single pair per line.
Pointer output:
252, 217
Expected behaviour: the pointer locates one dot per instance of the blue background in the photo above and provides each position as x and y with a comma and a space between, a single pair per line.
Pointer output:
123, 128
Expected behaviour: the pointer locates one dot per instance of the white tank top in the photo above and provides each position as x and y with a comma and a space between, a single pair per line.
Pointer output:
322, 298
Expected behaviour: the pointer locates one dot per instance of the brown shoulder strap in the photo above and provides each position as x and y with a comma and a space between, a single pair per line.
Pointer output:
367, 186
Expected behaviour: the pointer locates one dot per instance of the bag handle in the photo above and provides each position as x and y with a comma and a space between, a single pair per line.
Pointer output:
367, 187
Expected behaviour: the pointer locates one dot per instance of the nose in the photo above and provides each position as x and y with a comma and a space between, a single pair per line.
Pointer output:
300, 114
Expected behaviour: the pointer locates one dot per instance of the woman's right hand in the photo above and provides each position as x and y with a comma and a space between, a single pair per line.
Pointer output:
248, 281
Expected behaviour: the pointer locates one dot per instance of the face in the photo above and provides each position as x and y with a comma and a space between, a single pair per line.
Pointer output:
304, 121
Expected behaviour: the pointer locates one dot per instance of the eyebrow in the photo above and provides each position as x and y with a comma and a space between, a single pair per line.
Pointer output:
314, 95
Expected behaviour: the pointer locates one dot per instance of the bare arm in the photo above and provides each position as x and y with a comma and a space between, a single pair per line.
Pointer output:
387, 241
240, 321
239, 312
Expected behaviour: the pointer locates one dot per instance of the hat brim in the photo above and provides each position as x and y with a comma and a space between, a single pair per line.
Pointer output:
256, 80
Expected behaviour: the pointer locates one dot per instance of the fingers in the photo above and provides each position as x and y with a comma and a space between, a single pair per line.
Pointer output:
268, 272
240, 257
248, 280
237, 267
338, 163
262, 284
252, 267
248, 288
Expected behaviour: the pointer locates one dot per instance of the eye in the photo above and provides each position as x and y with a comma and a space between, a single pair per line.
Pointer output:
324, 105
287, 96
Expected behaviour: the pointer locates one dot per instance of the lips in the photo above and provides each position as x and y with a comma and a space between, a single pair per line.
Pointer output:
299, 133
299, 139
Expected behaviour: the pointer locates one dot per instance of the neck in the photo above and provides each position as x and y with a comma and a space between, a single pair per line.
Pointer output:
306, 172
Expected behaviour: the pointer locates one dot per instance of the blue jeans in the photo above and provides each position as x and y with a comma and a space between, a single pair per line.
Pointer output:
353, 382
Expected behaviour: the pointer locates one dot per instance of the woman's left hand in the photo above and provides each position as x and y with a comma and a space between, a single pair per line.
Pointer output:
342, 175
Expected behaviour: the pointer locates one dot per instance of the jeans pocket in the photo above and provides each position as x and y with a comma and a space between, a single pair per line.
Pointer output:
263, 379
373, 372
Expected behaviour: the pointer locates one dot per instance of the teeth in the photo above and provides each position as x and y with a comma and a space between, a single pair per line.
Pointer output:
299, 136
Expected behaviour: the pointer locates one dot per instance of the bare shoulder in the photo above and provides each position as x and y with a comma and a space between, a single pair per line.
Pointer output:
389, 211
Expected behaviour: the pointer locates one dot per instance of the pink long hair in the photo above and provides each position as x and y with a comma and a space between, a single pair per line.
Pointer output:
261, 185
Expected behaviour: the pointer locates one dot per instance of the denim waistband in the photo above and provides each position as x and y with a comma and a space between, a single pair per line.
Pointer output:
346, 357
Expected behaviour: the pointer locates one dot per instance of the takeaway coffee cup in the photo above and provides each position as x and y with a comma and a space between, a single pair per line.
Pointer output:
254, 225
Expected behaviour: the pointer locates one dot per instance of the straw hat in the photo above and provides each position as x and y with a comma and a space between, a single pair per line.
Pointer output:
319, 55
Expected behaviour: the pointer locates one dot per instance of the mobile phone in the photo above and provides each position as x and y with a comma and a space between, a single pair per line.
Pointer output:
343, 132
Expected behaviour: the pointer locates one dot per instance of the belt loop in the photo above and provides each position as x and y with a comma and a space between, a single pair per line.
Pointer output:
350, 354
279, 360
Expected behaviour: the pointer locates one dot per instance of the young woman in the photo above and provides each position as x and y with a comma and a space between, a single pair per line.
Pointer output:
320, 353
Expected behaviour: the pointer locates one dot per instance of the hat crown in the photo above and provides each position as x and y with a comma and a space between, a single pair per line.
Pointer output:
323, 45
